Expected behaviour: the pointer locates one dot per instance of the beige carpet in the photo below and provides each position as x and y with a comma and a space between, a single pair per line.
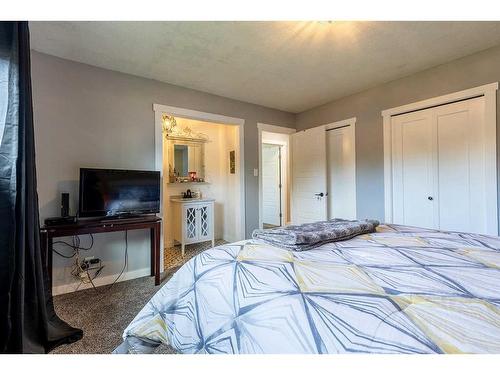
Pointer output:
104, 314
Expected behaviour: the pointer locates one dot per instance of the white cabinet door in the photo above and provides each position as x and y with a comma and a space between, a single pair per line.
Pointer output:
190, 225
205, 222
309, 194
439, 168
341, 162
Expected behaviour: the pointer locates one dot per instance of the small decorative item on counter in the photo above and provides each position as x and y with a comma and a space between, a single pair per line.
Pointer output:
192, 175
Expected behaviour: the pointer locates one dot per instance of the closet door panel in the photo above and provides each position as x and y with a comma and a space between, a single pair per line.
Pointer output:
478, 175
453, 172
413, 169
460, 170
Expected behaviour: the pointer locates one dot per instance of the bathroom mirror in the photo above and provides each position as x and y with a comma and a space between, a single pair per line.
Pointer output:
186, 160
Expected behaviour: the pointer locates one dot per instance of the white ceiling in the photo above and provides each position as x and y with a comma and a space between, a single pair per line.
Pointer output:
291, 66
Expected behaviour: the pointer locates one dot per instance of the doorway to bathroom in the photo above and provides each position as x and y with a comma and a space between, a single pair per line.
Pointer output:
201, 154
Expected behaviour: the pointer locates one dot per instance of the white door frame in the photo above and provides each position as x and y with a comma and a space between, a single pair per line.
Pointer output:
285, 179
340, 124
160, 109
489, 93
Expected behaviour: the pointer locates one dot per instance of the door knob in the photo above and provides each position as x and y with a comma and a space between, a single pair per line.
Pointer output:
319, 194
430, 198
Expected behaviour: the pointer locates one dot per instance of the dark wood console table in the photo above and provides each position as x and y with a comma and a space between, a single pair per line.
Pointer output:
48, 233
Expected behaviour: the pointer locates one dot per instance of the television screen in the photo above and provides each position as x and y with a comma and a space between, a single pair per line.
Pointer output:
109, 192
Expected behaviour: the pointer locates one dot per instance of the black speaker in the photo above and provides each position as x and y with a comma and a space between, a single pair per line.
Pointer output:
64, 204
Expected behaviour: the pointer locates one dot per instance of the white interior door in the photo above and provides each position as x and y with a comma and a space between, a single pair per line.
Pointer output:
341, 164
439, 173
271, 184
309, 190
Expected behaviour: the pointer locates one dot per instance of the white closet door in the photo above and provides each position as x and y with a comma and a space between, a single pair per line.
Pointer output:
309, 176
461, 166
439, 168
413, 169
271, 191
341, 157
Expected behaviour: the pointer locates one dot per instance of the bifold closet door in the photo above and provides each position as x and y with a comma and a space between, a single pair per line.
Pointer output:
439, 175
413, 169
461, 203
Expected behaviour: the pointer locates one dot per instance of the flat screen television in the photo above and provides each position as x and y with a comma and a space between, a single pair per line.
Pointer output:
117, 192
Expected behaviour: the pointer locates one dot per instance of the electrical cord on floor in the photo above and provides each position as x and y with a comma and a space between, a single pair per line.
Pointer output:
125, 264
125, 261
77, 267
78, 270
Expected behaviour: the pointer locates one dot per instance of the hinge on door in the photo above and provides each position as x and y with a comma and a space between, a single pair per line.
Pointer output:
280, 186
281, 215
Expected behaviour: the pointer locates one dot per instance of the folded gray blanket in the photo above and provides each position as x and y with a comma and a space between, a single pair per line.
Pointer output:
308, 236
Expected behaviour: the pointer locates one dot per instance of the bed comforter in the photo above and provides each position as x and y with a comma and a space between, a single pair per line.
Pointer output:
399, 290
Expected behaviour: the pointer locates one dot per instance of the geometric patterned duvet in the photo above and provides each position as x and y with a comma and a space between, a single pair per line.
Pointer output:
399, 290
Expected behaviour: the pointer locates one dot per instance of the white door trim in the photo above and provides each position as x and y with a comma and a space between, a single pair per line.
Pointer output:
489, 93
339, 124
285, 179
159, 109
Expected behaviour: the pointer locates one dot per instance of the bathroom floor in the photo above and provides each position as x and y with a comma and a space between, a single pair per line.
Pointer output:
174, 259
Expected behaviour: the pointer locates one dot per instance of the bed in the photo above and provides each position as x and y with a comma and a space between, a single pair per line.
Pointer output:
398, 290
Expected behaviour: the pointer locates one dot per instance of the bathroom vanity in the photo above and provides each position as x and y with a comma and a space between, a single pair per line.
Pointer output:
193, 220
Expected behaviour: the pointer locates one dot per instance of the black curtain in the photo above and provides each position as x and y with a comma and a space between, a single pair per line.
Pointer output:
28, 322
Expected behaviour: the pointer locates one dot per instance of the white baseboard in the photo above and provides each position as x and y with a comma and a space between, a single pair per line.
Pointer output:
99, 281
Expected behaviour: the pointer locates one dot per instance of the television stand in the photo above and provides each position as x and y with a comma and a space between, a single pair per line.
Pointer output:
91, 226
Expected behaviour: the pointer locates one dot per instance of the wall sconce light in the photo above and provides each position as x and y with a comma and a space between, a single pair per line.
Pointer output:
169, 123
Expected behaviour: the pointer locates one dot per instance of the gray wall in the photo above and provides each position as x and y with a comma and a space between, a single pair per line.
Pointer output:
87, 116
474, 70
